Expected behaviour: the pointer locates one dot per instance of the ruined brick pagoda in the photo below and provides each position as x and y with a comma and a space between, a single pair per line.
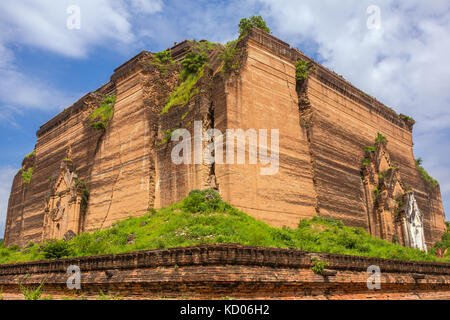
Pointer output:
84, 179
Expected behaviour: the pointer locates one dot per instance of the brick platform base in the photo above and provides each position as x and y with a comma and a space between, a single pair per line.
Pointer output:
230, 271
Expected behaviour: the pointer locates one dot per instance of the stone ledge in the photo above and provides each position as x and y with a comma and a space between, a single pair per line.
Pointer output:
228, 254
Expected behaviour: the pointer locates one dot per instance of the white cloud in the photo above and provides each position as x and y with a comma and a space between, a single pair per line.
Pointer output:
146, 6
43, 24
6, 177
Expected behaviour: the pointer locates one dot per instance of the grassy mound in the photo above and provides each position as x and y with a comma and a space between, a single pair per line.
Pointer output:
203, 218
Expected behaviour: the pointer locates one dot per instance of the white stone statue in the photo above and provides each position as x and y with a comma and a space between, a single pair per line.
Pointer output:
414, 224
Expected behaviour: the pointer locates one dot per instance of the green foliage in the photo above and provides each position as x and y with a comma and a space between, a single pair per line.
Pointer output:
230, 57
163, 56
32, 293
167, 136
108, 296
33, 153
101, 116
370, 149
319, 266
192, 63
203, 218
365, 162
246, 24
85, 192
377, 192
400, 205
184, 92
163, 60
301, 70
381, 139
26, 175
56, 249
410, 121
204, 201
205, 47
444, 243
425, 175
193, 68
383, 175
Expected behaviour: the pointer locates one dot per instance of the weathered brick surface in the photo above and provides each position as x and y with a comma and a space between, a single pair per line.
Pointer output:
217, 271
128, 168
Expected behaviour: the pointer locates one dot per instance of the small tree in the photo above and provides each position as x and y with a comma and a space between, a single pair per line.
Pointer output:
254, 21
381, 139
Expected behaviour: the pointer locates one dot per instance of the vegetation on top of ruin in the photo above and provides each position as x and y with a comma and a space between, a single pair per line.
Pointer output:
246, 24
230, 57
203, 218
163, 57
101, 116
302, 69
31, 154
425, 176
193, 64
163, 60
184, 92
195, 61
409, 120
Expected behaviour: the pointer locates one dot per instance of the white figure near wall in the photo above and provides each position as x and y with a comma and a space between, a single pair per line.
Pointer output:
414, 224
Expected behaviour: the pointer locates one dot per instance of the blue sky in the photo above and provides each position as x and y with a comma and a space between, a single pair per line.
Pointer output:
45, 67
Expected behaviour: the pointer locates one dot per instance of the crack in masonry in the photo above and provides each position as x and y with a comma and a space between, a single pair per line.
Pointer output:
89, 174
305, 112
302, 115
153, 134
115, 182
287, 83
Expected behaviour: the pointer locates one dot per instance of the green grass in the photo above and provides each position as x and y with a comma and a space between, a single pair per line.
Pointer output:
203, 218
32, 293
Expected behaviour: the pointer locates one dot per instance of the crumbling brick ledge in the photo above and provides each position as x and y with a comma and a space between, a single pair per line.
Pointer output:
235, 271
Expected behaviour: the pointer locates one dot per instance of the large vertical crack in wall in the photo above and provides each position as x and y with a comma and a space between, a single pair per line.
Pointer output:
306, 123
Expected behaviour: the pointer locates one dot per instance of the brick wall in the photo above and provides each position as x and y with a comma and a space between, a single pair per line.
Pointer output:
217, 271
